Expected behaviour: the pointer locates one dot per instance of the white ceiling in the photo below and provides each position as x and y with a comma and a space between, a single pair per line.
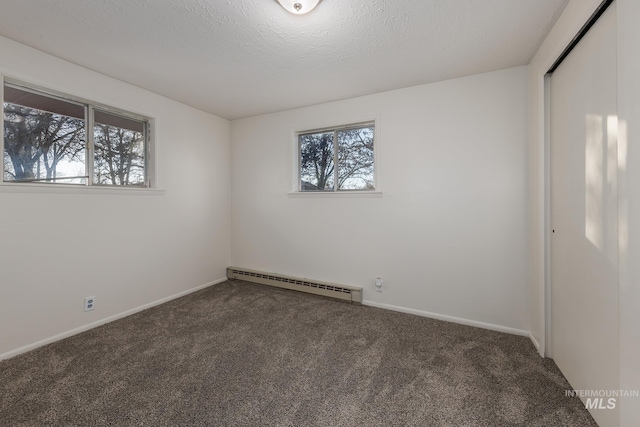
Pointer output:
239, 58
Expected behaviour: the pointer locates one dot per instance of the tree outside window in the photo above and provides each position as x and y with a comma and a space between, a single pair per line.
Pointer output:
46, 140
337, 159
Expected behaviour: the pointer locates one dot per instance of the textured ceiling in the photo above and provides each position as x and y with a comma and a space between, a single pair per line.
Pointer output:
238, 58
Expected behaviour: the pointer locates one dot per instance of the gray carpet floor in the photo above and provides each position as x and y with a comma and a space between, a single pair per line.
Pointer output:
238, 354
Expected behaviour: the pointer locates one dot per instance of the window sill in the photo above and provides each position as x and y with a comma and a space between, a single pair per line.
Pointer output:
7, 187
336, 194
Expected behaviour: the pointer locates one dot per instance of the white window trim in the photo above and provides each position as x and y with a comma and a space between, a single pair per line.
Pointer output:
11, 187
34, 187
338, 194
295, 170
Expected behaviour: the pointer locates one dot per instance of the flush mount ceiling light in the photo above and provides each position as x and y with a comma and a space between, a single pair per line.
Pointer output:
299, 7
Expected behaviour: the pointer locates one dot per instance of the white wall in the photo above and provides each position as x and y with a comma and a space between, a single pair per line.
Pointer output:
629, 205
574, 16
449, 233
129, 249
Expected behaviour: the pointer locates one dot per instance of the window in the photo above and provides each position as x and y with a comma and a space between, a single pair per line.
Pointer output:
54, 139
337, 159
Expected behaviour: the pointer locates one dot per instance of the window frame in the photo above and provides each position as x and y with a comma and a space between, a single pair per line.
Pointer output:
149, 182
335, 130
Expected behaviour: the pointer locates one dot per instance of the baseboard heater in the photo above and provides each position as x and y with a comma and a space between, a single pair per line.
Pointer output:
332, 290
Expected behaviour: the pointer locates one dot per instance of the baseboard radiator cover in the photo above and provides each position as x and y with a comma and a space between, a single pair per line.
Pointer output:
332, 290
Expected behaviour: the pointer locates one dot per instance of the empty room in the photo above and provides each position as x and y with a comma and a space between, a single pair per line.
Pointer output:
320, 213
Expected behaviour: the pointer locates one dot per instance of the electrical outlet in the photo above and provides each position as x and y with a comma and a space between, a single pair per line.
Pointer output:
89, 303
378, 284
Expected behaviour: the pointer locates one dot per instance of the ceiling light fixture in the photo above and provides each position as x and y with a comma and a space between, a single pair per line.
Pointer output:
299, 7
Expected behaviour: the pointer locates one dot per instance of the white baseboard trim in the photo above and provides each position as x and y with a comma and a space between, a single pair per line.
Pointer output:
536, 344
446, 318
100, 322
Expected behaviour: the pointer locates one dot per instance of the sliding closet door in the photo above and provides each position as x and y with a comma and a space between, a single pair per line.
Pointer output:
584, 270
